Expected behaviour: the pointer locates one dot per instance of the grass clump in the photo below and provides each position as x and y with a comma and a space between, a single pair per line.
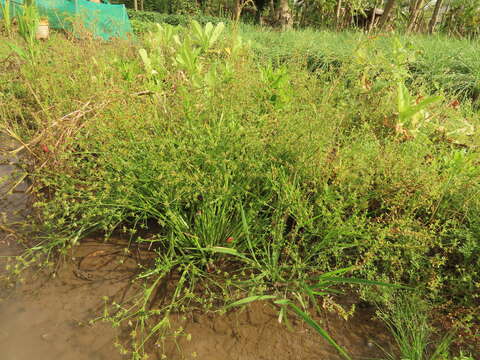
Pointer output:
411, 328
248, 177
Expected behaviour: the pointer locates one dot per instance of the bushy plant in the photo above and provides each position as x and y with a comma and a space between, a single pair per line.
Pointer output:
6, 16
171, 19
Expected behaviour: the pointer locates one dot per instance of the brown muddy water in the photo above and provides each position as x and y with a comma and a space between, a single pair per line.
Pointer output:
46, 317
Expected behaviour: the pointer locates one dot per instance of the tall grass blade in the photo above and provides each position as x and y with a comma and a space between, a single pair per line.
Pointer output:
250, 299
342, 280
319, 330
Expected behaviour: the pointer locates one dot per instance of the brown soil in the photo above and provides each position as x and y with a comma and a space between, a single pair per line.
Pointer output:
47, 317
255, 333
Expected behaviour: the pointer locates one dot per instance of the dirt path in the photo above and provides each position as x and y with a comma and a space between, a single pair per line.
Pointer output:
48, 318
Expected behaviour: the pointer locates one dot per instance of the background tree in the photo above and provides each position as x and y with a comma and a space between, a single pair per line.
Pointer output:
284, 15
386, 13
453, 17
434, 18
416, 7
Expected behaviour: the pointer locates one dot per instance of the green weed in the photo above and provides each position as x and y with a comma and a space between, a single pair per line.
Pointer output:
409, 324
6, 15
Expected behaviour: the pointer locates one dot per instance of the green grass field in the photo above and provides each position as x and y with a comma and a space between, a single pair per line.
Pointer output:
254, 162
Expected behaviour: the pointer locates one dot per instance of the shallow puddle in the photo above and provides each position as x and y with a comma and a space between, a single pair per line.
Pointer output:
47, 318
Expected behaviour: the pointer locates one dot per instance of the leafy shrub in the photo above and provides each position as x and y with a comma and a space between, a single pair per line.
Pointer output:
141, 27
179, 7
172, 19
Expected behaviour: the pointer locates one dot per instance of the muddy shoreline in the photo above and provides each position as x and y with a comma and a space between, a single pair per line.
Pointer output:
44, 318
48, 317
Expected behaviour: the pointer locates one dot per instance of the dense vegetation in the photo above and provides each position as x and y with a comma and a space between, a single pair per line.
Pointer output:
253, 161
440, 63
452, 17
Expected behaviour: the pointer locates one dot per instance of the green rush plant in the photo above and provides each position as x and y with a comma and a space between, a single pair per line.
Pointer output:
408, 322
27, 26
319, 286
7, 21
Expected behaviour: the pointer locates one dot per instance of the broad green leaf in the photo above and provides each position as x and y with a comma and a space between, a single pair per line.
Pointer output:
402, 101
412, 110
228, 251
197, 27
146, 60
216, 33
208, 29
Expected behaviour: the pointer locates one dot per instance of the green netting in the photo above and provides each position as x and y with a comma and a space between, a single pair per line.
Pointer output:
103, 20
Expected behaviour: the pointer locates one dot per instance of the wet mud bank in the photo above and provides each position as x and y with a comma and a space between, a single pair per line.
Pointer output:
13, 201
42, 317
47, 315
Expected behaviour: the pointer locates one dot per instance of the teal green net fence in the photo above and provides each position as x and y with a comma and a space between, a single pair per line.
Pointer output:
102, 20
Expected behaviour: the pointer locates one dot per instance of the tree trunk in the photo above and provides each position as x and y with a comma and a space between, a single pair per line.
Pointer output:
415, 10
434, 19
338, 11
373, 19
386, 13
420, 22
285, 17
238, 10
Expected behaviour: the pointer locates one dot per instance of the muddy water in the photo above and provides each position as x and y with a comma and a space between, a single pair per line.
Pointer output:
13, 200
49, 321
47, 318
